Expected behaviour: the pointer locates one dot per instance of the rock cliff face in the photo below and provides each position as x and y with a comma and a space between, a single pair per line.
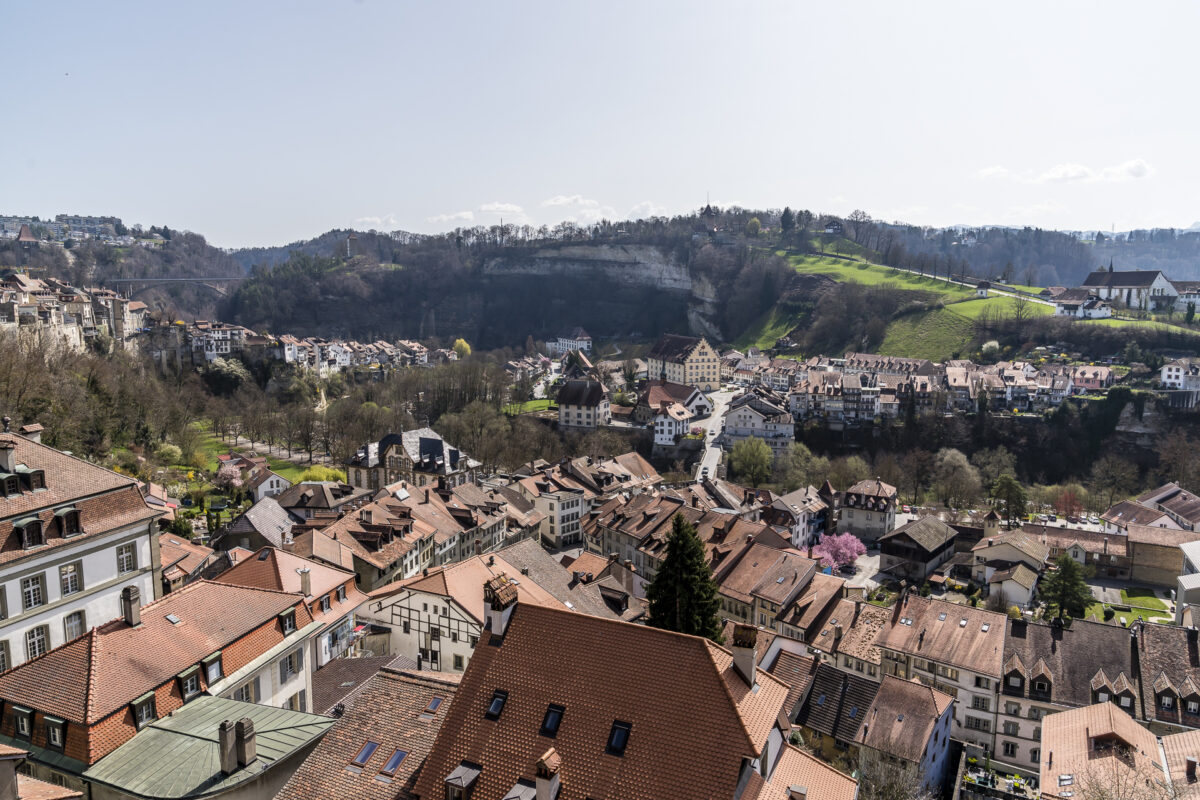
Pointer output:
624, 289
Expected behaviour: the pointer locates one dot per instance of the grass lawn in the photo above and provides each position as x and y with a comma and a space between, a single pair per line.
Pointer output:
1000, 306
1139, 323
876, 275
542, 404
935, 335
286, 469
212, 446
1142, 598
765, 330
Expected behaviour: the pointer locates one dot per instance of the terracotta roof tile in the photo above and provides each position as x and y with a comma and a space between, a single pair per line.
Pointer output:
798, 768
946, 632
902, 717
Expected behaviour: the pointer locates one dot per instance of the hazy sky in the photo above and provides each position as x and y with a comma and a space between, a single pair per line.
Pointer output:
261, 123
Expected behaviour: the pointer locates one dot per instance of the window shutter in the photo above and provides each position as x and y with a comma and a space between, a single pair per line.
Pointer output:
256, 694
283, 671
300, 660
303, 701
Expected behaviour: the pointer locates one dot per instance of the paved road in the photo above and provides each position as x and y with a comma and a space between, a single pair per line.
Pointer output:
712, 428
868, 569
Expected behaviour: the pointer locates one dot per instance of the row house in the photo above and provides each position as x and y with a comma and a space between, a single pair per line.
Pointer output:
1181, 374
213, 340
761, 414
80, 702
761, 582
804, 513
72, 536
685, 359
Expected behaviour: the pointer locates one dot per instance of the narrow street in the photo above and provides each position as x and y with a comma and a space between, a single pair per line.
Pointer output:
712, 428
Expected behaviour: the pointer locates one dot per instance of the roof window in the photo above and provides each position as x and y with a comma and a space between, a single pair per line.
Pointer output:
394, 762
496, 706
552, 720
618, 738
942, 617
364, 755
434, 704
173, 619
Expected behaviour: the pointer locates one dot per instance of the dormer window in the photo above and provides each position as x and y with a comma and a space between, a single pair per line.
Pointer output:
31, 532
143, 710
189, 683
37, 480
23, 721
56, 733
1166, 701
12, 485
68, 522
1041, 687
288, 620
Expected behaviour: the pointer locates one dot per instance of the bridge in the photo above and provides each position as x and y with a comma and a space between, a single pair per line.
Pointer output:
145, 283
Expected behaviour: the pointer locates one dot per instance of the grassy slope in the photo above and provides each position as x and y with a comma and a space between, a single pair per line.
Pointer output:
768, 328
939, 334
876, 275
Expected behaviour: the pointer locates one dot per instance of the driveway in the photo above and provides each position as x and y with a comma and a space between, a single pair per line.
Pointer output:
868, 570
712, 428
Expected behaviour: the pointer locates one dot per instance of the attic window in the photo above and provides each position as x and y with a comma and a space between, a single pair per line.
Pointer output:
434, 704
496, 706
618, 738
287, 619
552, 720
942, 617
264, 555
174, 620
779, 579
394, 762
985, 627
364, 754
821, 700
853, 712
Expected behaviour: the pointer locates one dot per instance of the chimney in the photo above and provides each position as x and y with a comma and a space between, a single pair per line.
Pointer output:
546, 775
131, 606
837, 632
499, 599
305, 581
745, 656
32, 432
8, 455
1106, 545
613, 557
797, 793
478, 547
244, 744
225, 747
1191, 769
491, 561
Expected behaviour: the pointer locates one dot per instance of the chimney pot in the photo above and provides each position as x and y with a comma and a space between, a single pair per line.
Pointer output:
546, 777
305, 581
131, 606
797, 793
244, 742
226, 747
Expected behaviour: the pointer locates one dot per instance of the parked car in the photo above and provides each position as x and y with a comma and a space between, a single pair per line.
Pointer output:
1054, 517
906, 509
1042, 518
1073, 520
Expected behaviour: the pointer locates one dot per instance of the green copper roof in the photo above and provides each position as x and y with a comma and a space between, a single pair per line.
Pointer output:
176, 756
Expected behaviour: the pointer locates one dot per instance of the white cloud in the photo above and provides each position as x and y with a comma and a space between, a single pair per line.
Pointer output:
458, 217
384, 223
1071, 172
501, 208
646, 209
570, 200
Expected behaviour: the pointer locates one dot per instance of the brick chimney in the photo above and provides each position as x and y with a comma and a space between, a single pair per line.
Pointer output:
546, 775
305, 581
499, 599
131, 606
225, 747
745, 655
244, 744
32, 432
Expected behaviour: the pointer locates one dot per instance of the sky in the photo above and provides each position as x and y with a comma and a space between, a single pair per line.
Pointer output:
262, 123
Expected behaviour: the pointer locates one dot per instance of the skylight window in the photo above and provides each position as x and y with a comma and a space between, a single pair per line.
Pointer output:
394, 762
962, 623
434, 704
779, 579
942, 617
985, 627
364, 755
174, 620
853, 712
821, 700
552, 720
496, 705
264, 555
618, 738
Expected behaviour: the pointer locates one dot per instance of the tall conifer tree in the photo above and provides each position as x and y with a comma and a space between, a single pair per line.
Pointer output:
683, 595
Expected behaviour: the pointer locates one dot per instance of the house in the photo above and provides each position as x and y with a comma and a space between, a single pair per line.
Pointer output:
844, 637
1081, 304
957, 649
1085, 379
419, 457
583, 405
1176, 502
310, 499
331, 594
210, 748
1005, 550
908, 725
654, 393
1155, 555
831, 715
73, 537
384, 736
1107, 554
803, 512
575, 339
510, 733
183, 561
670, 424
264, 524
915, 550
1147, 290
868, 509
1049, 668
761, 582
436, 619
1170, 675
1183, 373
16, 785
262, 482
981, 289
1128, 512
685, 359
1015, 584
150, 663
761, 414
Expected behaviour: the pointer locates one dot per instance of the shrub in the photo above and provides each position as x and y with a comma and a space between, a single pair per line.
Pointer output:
168, 453
1109, 613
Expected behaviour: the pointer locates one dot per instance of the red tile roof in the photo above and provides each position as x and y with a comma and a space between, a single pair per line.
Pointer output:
105, 669
548, 656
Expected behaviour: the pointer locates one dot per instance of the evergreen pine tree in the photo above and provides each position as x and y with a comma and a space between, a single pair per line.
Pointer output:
683, 595
1065, 588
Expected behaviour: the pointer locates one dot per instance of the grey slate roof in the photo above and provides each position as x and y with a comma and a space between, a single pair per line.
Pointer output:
431, 453
265, 517
1124, 278
672, 347
581, 393
177, 756
1073, 655
837, 703
928, 532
